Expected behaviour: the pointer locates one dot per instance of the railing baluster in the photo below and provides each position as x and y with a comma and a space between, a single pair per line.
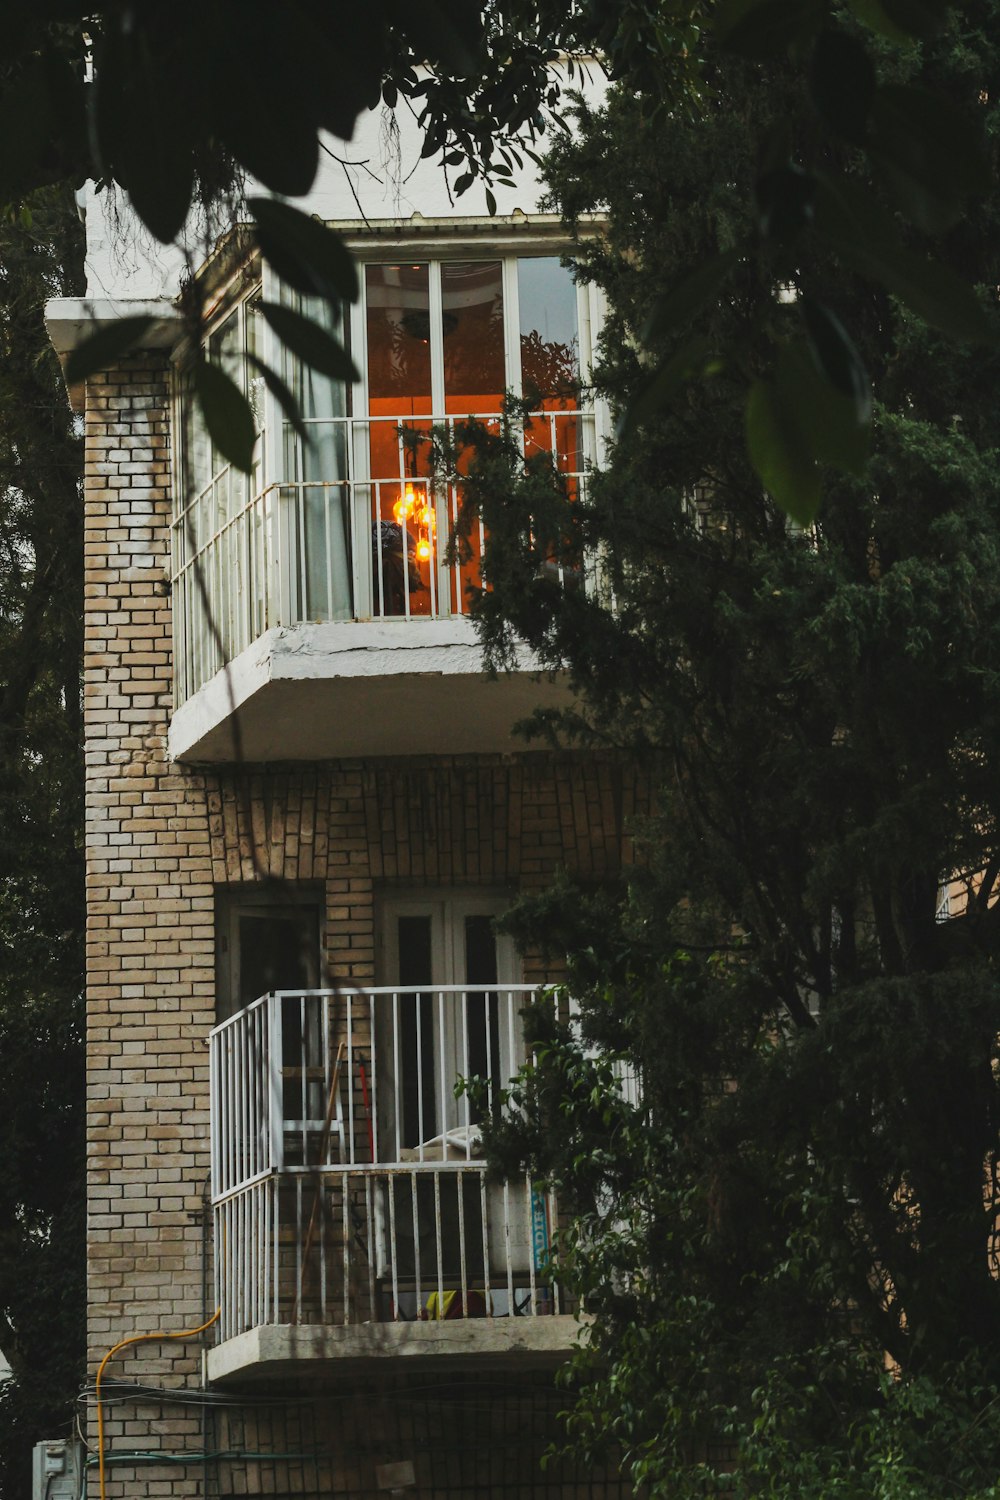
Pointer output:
529, 1204
484, 1219
437, 1241
418, 1006
465, 1074
444, 1103
345, 1216
350, 1082
299, 1236
463, 1278
373, 1311
373, 1082
506, 1248
415, 1216
390, 1186
550, 1198
397, 1095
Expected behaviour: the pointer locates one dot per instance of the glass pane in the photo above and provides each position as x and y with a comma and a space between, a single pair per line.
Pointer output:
197, 459
416, 1025
472, 329
550, 337
475, 382
278, 951
398, 330
550, 359
317, 500
399, 337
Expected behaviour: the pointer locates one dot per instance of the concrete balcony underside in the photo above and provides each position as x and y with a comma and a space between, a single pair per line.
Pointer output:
343, 691
311, 1351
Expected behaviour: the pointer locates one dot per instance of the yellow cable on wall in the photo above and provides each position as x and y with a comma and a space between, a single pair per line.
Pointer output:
136, 1338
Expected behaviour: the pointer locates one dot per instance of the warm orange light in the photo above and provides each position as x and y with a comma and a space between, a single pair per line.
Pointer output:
423, 550
403, 508
427, 518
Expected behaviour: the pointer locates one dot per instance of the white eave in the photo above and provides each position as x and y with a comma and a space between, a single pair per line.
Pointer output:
69, 320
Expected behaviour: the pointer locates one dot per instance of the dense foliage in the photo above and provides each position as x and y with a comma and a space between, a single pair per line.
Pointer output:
789, 1246
42, 1253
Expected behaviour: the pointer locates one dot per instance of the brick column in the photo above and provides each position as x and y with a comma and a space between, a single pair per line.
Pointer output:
150, 904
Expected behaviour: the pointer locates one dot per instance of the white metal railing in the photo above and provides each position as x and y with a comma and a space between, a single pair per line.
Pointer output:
347, 1181
337, 548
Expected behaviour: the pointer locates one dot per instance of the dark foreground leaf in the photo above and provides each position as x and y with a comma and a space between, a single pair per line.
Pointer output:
227, 415
305, 253
313, 345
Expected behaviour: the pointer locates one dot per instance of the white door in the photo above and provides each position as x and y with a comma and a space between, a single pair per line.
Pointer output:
454, 1017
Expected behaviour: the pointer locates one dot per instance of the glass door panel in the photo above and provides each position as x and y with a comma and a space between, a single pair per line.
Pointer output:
398, 333
475, 382
429, 1040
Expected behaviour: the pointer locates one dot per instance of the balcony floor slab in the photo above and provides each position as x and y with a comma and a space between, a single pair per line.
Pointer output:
294, 1351
353, 690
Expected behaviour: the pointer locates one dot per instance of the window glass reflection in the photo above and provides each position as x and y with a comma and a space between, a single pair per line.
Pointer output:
550, 337
472, 337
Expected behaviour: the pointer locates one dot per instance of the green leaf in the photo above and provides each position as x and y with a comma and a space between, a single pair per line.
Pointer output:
842, 84
305, 253
930, 153
313, 345
876, 17
279, 390
829, 426
688, 296
778, 455
491, 202
762, 29
916, 17
105, 347
227, 414
864, 235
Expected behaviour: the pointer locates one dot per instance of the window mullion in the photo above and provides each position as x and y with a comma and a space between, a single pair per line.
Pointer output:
436, 313
358, 462
511, 326
435, 307
274, 448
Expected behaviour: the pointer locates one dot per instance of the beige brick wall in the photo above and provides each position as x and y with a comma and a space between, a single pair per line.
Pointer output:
161, 839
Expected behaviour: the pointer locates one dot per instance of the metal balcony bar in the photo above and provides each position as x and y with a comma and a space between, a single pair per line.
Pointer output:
334, 549
378, 1244
347, 1184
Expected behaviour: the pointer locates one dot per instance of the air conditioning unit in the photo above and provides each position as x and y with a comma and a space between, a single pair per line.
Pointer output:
57, 1470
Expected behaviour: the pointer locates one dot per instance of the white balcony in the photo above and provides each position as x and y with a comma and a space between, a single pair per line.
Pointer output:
354, 1217
322, 619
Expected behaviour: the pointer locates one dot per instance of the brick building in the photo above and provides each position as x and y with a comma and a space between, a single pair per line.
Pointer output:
305, 809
